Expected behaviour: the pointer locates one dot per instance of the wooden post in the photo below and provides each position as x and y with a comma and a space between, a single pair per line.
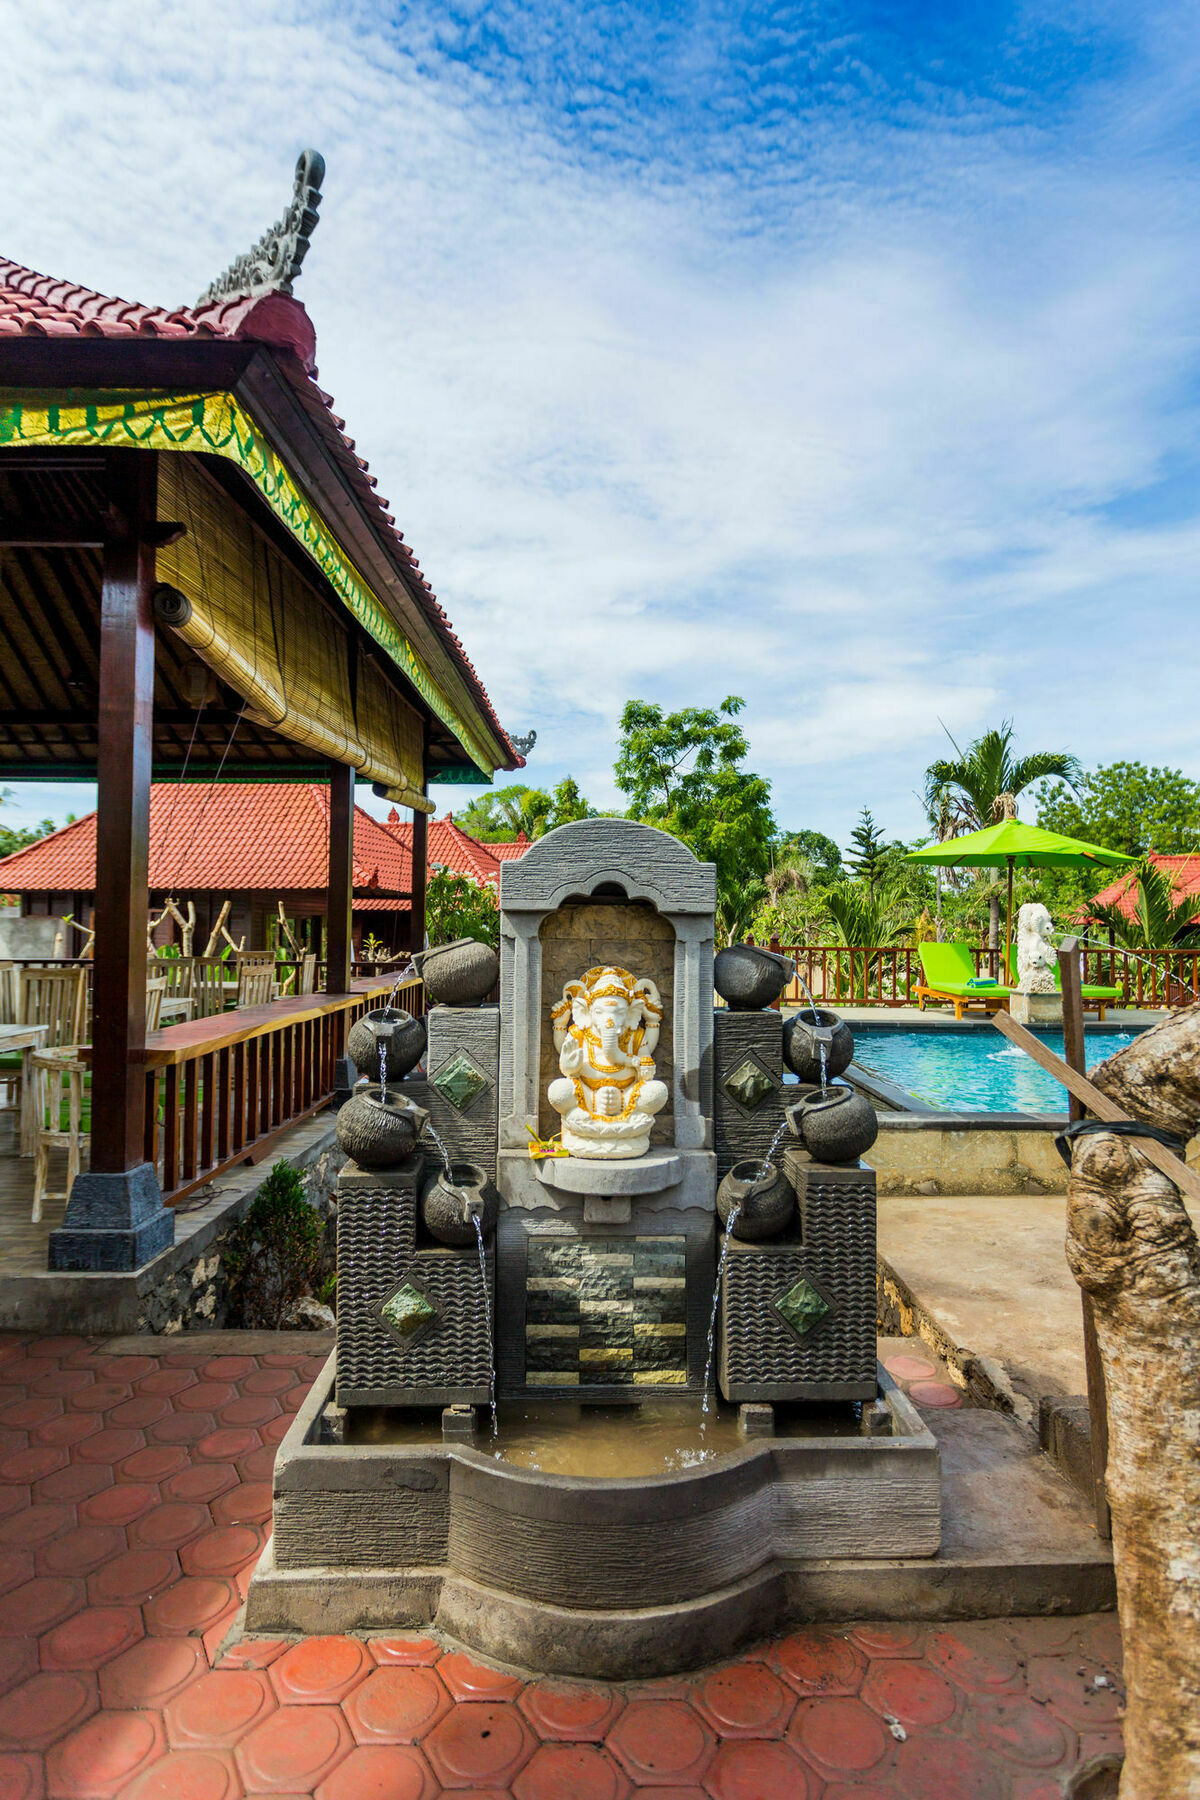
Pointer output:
115, 1218
1073, 1051
420, 878
341, 879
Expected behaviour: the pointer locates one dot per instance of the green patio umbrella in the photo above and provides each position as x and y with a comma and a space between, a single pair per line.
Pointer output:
1019, 846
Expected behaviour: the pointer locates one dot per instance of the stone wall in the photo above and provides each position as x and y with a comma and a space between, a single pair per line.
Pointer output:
630, 935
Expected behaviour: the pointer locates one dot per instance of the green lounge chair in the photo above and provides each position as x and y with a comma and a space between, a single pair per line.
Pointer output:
949, 974
1094, 996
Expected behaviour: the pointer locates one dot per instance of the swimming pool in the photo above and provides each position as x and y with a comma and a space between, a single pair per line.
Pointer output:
974, 1071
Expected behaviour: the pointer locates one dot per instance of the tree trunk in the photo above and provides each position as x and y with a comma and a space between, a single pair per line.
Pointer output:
1132, 1247
993, 921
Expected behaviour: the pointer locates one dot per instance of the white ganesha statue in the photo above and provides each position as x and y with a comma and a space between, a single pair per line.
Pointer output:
605, 1031
1037, 957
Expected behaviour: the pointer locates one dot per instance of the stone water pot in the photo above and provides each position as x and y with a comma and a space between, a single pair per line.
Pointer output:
379, 1133
404, 1036
835, 1126
749, 978
449, 1207
462, 973
801, 1051
765, 1202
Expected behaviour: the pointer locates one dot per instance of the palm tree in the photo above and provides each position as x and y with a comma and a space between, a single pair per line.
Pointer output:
979, 787
861, 917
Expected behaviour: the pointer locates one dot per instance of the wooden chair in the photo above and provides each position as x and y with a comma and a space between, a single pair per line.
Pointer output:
50, 1070
57, 999
155, 991
256, 978
10, 1066
208, 987
307, 982
8, 993
179, 973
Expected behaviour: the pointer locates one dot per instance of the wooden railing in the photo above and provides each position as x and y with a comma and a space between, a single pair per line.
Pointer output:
889, 974
221, 1091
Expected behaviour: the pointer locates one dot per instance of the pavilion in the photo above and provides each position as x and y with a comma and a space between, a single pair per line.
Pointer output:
198, 581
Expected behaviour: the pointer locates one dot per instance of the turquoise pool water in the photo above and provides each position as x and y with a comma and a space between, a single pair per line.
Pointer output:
974, 1071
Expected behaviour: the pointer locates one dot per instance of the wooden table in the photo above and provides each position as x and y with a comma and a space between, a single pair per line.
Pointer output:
25, 1038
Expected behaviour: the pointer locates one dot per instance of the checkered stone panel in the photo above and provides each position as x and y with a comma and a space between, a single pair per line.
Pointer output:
763, 1356
605, 1312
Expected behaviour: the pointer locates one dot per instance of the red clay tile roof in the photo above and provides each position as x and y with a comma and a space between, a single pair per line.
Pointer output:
511, 851
33, 305
450, 847
1183, 871
270, 837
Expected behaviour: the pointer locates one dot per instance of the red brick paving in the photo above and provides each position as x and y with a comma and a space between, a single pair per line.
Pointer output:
134, 1499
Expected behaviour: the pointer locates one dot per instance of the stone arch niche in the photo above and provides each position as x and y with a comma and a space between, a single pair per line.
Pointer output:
613, 888
605, 1268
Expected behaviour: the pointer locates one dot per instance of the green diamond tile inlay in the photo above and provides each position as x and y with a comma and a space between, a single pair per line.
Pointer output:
749, 1085
407, 1311
460, 1082
802, 1307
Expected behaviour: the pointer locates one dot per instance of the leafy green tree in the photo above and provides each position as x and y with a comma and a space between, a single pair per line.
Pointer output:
868, 853
980, 785
682, 772
1126, 806
823, 856
861, 915
457, 907
499, 817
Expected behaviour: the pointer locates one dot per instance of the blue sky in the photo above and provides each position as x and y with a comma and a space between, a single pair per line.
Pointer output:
843, 357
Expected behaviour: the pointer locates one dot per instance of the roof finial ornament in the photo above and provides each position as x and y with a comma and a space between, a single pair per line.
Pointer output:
274, 262
523, 745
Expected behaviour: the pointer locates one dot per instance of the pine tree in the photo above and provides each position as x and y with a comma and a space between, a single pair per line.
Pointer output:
868, 850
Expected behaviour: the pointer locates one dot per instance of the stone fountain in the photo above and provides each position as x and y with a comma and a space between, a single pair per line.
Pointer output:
551, 1237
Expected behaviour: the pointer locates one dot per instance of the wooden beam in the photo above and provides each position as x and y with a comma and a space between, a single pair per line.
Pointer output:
338, 951
420, 878
1073, 1044
81, 534
1186, 1179
123, 820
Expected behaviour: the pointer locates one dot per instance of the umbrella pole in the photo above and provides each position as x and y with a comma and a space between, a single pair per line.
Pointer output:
1007, 973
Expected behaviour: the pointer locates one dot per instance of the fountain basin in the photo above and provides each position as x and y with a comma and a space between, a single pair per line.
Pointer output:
614, 1577
648, 1174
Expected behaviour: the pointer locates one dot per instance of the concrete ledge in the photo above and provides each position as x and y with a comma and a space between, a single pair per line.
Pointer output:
968, 1153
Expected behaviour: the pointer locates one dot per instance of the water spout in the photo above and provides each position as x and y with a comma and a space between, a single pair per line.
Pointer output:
430, 1131
487, 1314
730, 1222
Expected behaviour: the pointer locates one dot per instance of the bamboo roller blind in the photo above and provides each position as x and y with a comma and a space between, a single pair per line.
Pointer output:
265, 632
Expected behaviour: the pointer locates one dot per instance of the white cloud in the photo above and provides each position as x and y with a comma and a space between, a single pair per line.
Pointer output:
824, 408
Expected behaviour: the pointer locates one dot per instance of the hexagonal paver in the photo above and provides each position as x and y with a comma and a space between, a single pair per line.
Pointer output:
170, 1525
39, 1605
122, 1504
380, 1772
132, 1577
250, 1409
165, 1382
909, 1691
34, 1525
744, 1700
92, 1637
73, 1482
1084, 1693
932, 1764
206, 1396
583, 1771
839, 1734
154, 1463
99, 1396
661, 1741
254, 1653
112, 1445
180, 1428
192, 1604
189, 1775
16, 1567
397, 1706
222, 1551
268, 1381
45, 1708
877, 1641
469, 1680
21, 1777
758, 1771
247, 1503
226, 1443
142, 1410
18, 1661
570, 1713
978, 1660
220, 1708
105, 1754
151, 1673
817, 1662
81, 1550
293, 1750
319, 1670
1022, 1731
409, 1652
72, 1428
479, 1745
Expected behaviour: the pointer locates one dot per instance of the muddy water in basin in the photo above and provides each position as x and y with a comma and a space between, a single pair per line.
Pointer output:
613, 1443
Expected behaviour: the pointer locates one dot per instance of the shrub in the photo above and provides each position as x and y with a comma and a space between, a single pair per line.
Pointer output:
274, 1252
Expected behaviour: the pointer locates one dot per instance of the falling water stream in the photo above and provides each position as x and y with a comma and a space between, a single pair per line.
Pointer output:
444, 1153
730, 1222
382, 1042
768, 1159
487, 1314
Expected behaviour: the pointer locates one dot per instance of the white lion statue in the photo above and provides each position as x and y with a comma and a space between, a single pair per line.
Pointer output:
1037, 958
